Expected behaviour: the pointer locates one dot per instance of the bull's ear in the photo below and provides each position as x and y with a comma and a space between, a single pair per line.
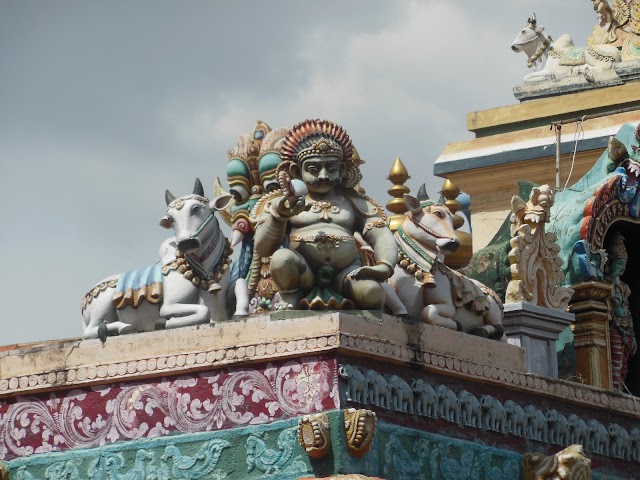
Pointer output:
412, 203
221, 202
165, 222
539, 29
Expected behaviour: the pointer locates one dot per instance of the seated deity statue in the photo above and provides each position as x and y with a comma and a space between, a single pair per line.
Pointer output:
322, 266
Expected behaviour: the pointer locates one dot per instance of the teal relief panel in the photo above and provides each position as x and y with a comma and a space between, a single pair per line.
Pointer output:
273, 452
257, 452
407, 454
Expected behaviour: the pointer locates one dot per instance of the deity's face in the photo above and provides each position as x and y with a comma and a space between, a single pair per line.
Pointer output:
617, 267
543, 199
322, 174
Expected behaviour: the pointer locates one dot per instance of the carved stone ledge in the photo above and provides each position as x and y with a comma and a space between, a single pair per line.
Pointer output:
590, 290
165, 364
57, 365
63, 365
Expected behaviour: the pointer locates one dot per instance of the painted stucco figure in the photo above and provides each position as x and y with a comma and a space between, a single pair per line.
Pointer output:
187, 287
587, 214
623, 341
251, 173
619, 26
431, 291
321, 267
551, 60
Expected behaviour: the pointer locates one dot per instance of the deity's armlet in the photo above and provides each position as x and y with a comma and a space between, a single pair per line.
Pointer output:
375, 230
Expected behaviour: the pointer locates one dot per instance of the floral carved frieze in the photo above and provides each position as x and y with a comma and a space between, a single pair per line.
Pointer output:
95, 416
418, 397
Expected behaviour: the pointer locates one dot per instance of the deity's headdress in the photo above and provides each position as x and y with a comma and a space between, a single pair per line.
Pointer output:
242, 167
269, 158
319, 138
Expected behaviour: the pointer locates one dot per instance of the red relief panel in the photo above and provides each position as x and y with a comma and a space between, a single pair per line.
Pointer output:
93, 416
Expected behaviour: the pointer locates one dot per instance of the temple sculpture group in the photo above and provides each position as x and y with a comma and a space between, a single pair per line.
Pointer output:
308, 238
324, 338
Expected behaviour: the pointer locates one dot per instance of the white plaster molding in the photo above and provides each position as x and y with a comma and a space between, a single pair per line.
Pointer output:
388, 339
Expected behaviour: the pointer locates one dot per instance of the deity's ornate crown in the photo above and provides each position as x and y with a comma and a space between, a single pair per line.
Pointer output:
321, 138
316, 137
323, 147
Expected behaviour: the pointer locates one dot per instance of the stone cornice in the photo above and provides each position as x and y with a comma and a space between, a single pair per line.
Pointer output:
556, 108
262, 338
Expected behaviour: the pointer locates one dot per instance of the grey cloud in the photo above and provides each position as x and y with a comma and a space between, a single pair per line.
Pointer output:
104, 105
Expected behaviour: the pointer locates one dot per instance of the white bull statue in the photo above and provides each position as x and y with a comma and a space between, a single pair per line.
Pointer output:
431, 291
187, 287
553, 61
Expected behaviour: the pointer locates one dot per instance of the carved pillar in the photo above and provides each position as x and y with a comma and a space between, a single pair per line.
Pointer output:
590, 304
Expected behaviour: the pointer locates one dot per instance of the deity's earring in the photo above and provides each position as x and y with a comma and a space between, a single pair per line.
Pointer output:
294, 171
351, 176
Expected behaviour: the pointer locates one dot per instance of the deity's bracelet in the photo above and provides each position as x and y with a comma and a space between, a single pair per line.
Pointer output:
375, 223
388, 264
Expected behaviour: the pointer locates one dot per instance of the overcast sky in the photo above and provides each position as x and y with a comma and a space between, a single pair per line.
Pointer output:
104, 105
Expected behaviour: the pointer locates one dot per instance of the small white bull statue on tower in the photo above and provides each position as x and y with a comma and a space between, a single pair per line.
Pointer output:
553, 61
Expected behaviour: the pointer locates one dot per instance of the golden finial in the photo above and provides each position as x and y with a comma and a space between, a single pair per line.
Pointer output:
450, 192
398, 175
460, 257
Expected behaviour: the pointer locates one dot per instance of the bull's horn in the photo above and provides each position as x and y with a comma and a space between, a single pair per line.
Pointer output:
532, 20
422, 193
168, 196
197, 188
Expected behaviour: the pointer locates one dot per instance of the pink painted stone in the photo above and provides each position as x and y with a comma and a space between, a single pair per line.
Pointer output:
196, 402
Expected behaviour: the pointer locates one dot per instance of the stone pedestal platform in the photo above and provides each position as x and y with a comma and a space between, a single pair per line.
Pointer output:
536, 329
298, 395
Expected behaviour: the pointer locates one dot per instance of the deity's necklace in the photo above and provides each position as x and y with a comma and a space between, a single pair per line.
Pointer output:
326, 206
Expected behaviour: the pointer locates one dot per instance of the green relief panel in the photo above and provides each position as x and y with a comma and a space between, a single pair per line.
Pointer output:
249, 453
406, 454
273, 452
601, 476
